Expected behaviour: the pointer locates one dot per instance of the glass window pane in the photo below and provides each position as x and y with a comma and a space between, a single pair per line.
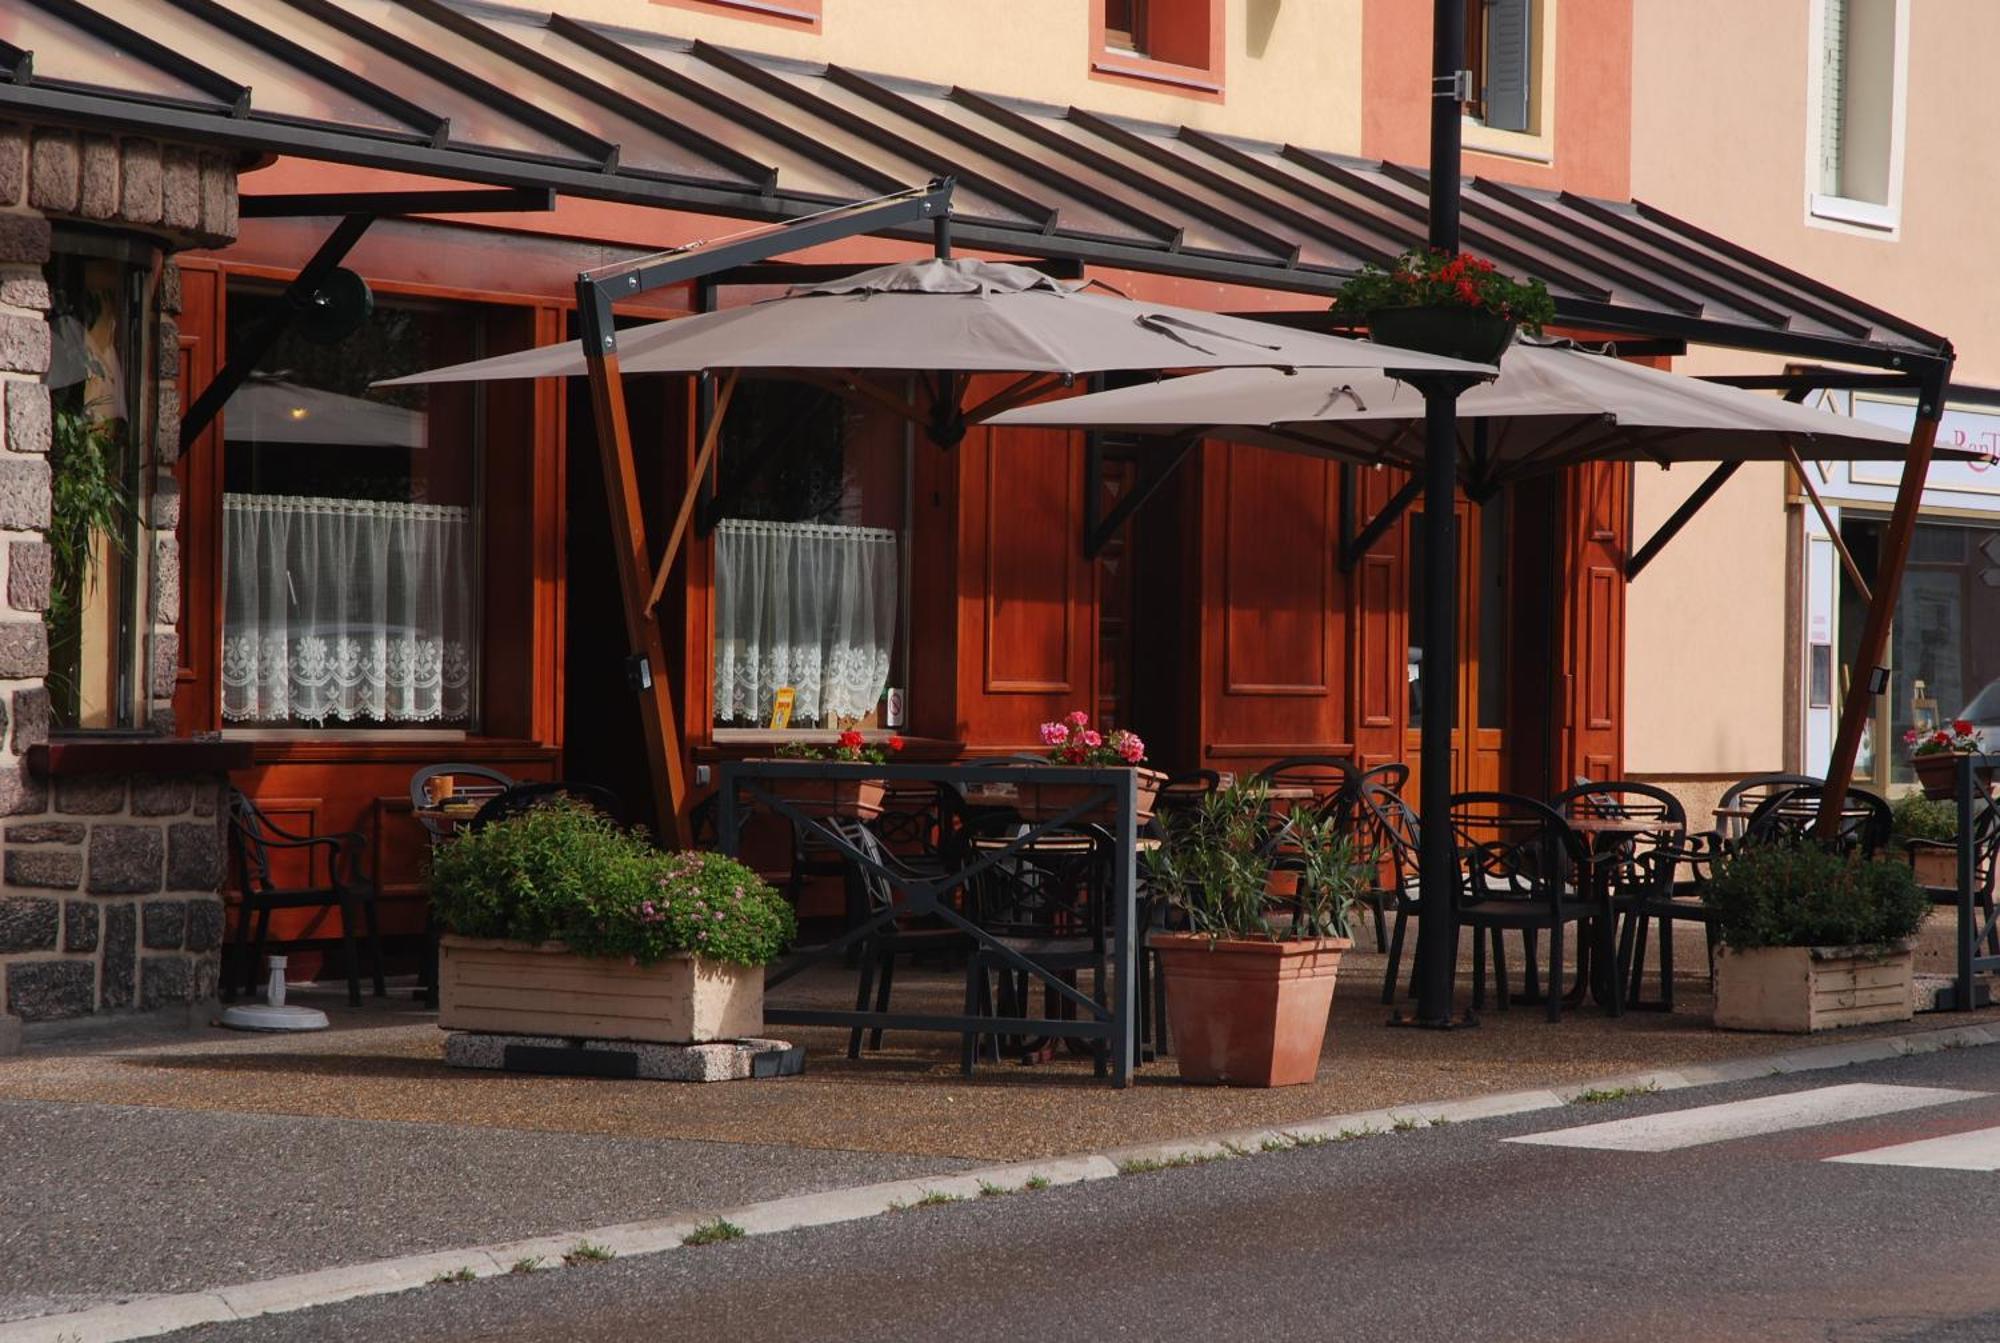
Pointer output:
350, 526
66, 52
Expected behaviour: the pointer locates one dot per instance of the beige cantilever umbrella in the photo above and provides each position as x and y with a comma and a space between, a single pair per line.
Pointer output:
1552, 406
954, 318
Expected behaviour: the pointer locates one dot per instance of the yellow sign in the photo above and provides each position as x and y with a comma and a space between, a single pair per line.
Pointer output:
781, 709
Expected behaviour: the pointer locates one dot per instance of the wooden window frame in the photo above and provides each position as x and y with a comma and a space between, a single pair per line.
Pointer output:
1180, 50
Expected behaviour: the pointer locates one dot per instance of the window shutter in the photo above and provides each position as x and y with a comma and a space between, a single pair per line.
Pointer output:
1832, 95
1509, 62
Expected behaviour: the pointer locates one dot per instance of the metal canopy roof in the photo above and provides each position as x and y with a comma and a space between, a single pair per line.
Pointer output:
476, 91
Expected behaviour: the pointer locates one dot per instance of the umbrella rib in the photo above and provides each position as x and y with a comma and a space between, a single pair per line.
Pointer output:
1826, 520
1023, 389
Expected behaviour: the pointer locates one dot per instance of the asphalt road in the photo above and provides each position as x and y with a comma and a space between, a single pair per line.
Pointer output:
1442, 1233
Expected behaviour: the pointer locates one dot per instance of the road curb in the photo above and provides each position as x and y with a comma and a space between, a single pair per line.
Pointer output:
150, 1316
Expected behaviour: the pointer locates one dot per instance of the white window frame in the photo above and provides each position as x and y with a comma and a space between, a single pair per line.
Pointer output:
1538, 144
1840, 213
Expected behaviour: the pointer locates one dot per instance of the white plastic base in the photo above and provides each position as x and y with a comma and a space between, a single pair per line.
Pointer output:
264, 1017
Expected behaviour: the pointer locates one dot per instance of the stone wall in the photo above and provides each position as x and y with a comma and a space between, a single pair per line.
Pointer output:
108, 884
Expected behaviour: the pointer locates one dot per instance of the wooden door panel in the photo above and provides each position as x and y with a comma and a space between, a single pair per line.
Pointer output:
197, 475
1596, 528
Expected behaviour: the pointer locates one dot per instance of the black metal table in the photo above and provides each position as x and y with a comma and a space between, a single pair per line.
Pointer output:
1113, 1019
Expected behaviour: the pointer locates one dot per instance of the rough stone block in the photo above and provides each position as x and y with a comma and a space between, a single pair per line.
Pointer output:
55, 172
24, 240
205, 925
50, 869
160, 718
165, 980
24, 649
166, 581
163, 925
46, 832
80, 926
208, 797
167, 350
24, 494
28, 575
29, 425
153, 795
167, 423
125, 859
28, 924
31, 718
51, 990
24, 289
97, 189
218, 179
139, 190
166, 664
194, 857
21, 793
180, 189
121, 952
166, 504
13, 164
91, 795
170, 287
10, 1035
24, 343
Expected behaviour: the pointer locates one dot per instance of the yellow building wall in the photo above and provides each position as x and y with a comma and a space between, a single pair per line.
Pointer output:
1720, 137
1291, 68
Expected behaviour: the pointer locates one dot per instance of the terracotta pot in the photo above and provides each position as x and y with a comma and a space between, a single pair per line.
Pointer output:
830, 797
1248, 1012
1445, 329
544, 988
1938, 773
1044, 801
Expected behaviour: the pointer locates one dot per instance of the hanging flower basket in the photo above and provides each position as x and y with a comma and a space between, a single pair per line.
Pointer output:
1934, 756
1435, 328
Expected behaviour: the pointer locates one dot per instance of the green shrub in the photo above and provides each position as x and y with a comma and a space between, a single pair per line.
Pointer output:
1920, 817
1800, 895
1216, 860
563, 873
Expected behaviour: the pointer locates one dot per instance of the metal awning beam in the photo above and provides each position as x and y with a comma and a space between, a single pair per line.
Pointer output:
1682, 516
381, 204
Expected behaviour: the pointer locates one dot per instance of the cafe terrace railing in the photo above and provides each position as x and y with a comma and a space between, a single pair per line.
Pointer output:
1970, 780
1112, 1019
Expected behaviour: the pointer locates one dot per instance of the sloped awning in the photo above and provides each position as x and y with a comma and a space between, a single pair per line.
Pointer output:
516, 97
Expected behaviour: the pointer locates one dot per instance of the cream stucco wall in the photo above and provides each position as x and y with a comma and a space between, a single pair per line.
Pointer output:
1720, 136
1292, 68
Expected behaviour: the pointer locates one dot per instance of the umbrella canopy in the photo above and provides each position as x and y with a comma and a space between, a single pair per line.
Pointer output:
1552, 406
957, 317
271, 410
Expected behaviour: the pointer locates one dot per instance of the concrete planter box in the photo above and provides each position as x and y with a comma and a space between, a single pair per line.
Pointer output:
519, 988
1935, 867
1806, 989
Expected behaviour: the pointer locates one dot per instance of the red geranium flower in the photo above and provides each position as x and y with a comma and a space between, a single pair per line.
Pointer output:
895, 743
1961, 727
850, 738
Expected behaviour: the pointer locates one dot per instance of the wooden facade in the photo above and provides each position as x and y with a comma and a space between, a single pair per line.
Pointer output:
1220, 624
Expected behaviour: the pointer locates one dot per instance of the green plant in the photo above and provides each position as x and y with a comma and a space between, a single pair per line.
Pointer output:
530, 1264
937, 1198
1920, 817
714, 1233
1602, 1095
1801, 895
589, 1252
564, 873
456, 1275
1217, 857
850, 748
1037, 1183
1428, 277
988, 1189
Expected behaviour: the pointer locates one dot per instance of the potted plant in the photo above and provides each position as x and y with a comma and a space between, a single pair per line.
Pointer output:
1927, 830
840, 797
1458, 306
1074, 740
561, 923
1250, 983
1811, 939
1934, 756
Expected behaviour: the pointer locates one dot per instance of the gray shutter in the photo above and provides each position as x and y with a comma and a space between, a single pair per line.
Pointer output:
1509, 62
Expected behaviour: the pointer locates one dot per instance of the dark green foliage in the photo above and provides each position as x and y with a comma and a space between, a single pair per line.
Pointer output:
1920, 817
563, 873
1800, 895
1216, 862
1428, 277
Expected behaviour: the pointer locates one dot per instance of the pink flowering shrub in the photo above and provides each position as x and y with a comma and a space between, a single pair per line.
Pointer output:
1073, 741
564, 873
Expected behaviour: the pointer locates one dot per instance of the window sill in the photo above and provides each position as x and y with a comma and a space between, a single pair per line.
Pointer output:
65, 757
1523, 146
1859, 214
768, 10
1186, 78
736, 743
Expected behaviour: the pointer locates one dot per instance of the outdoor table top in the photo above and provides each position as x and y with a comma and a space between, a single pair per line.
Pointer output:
1625, 825
1145, 843
1738, 813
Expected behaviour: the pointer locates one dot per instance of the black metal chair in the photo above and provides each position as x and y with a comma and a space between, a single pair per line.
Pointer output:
1518, 862
491, 784
254, 840
1743, 798
1638, 870
1328, 776
874, 893
1048, 903
522, 798
1985, 867
1791, 815
1393, 832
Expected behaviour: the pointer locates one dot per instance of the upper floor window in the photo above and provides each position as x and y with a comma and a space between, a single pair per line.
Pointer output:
1858, 124
1125, 25
1500, 52
1173, 42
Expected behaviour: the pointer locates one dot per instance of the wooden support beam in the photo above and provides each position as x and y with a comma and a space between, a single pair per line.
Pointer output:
692, 493
1399, 503
1097, 532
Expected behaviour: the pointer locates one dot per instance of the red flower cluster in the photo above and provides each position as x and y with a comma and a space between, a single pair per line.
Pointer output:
1962, 738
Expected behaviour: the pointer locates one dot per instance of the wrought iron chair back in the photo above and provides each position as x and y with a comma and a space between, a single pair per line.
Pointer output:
253, 840
1637, 864
1054, 885
1328, 776
492, 784
1792, 816
1746, 795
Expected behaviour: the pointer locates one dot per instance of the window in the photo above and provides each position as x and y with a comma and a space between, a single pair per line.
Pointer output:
811, 496
1177, 43
1858, 126
1500, 53
1125, 25
350, 520
100, 386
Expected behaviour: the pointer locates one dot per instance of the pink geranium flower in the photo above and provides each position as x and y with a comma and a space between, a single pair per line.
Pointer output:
1055, 734
1078, 718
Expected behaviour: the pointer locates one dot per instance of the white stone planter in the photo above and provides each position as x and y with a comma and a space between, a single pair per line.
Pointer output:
1805, 989
519, 988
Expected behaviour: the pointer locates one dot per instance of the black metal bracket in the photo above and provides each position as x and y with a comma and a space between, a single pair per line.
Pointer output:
289, 205
1683, 515
1098, 530
1353, 547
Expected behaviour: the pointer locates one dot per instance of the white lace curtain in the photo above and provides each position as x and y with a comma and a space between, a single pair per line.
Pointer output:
346, 609
803, 605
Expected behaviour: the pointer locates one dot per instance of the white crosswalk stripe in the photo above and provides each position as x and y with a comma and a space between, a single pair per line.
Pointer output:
1747, 1119
1977, 1150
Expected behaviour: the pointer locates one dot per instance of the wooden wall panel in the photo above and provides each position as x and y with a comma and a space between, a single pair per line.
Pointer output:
1378, 627
1597, 532
198, 475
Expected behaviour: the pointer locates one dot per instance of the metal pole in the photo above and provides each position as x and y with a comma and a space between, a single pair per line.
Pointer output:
1437, 932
